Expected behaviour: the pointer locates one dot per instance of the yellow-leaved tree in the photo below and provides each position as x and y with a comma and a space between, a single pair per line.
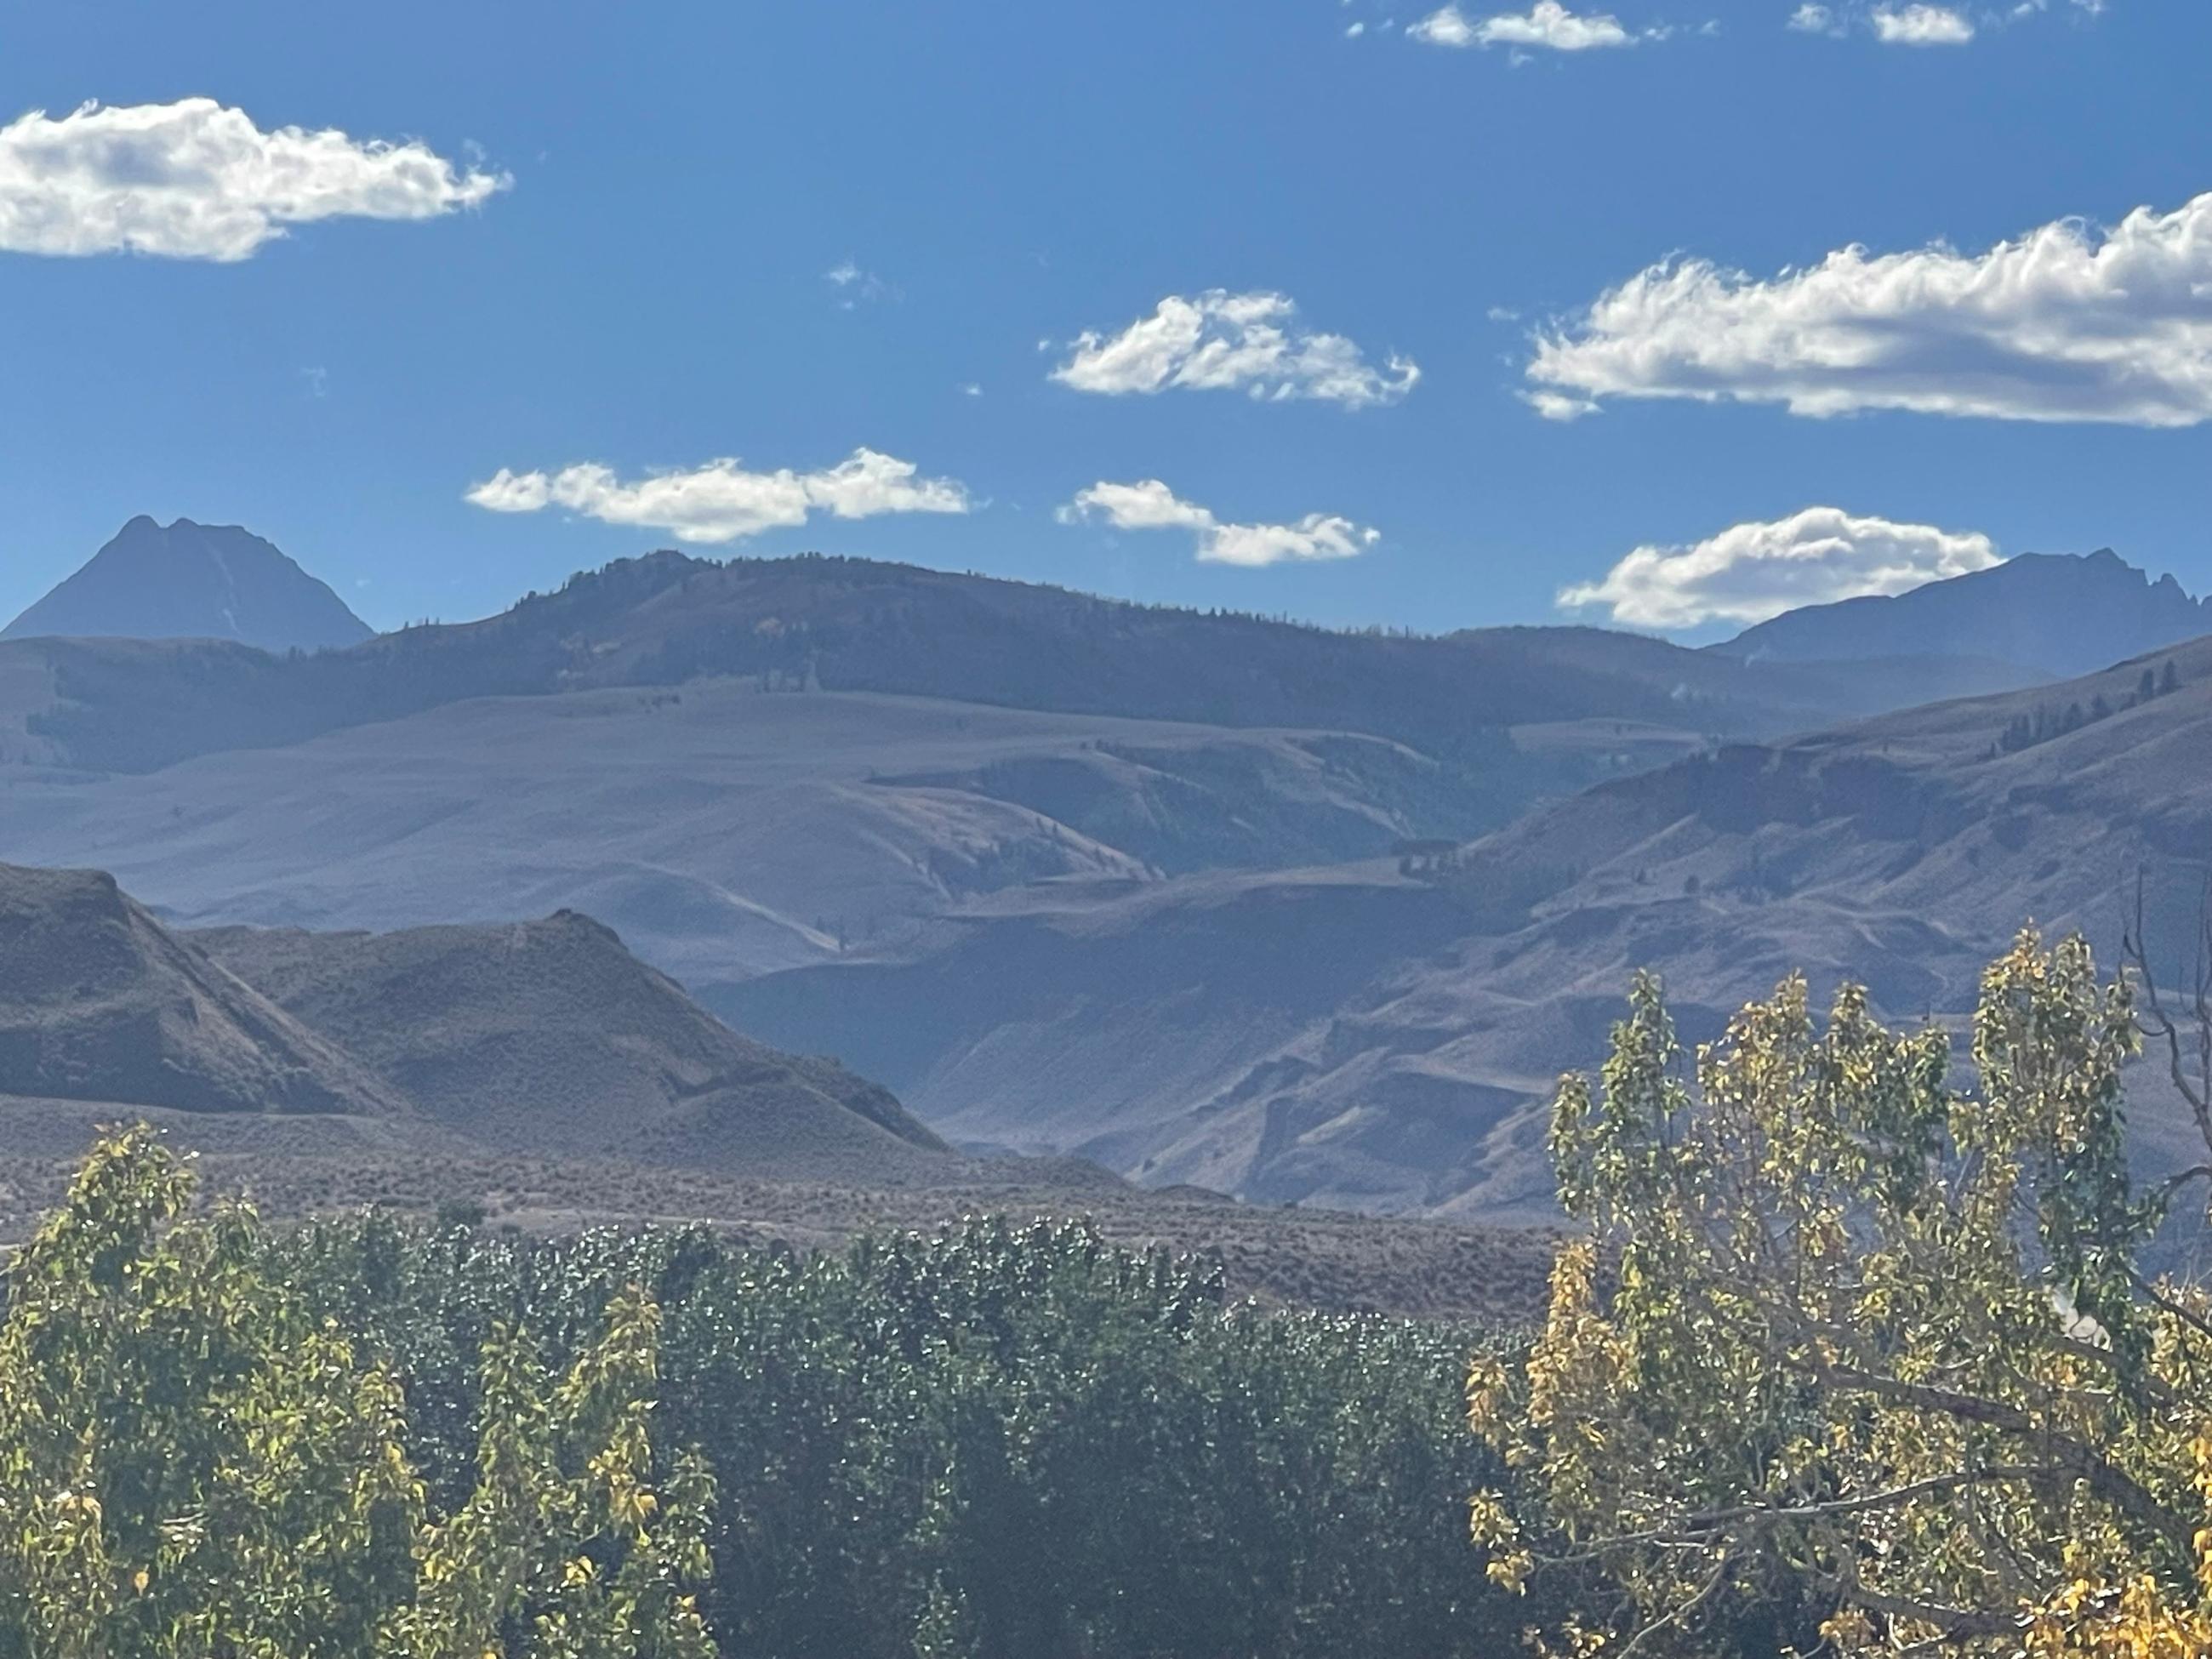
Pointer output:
192, 1464
1853, 1361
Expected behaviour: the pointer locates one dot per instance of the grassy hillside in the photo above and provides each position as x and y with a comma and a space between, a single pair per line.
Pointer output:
1360, 1036
540, 1039
722, 830
549, 1037
99, 1001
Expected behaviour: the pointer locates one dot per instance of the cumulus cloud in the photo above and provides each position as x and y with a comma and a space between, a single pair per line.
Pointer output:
194, 181
1547, 23
722, 501
1754, 571
1150, 505
2067, 323
1220, 341
1922, 26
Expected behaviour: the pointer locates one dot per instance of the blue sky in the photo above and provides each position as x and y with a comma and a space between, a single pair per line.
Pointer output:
652, 292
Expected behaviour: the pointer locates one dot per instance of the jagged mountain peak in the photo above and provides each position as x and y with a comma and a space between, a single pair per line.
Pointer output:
2063, 614
189, 580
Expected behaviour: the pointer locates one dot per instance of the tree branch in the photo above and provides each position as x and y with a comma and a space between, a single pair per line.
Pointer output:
2075, 1456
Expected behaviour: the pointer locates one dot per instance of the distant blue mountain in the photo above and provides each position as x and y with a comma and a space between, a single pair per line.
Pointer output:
193, 581
2065, 614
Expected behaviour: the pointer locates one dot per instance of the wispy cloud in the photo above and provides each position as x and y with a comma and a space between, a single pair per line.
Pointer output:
2067, 323
1750, 572
722, 501
855, 287
1922, 26
194, 181
1546, 24
1219, 341
1919, 23
1150, 505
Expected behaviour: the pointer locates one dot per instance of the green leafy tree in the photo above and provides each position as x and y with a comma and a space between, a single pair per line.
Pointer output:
194, 1461
1862, 1355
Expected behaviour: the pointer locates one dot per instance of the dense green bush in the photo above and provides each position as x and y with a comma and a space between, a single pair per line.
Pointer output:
997, 1444
367, 1438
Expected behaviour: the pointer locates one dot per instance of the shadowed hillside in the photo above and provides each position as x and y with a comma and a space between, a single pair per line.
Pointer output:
99, 1001
537, 1039
537, 1075
549, 1037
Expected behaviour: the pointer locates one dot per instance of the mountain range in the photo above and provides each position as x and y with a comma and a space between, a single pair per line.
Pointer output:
1297, 916
2058, 615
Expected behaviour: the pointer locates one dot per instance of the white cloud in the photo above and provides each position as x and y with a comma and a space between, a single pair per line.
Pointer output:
2067, 323
1812, 19
1221, 341
1922, 26
1150, 505
1754, 571
721, 501
193, 180
1547, 23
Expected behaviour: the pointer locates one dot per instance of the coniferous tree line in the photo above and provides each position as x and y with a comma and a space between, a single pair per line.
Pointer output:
2049, 720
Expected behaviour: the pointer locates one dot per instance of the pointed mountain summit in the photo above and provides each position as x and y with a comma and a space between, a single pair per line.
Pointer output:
2063, 614
193, 581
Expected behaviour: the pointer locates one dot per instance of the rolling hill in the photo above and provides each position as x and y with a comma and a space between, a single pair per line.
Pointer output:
542, 1039
1315, 962
757, 766
1355, 1034
549, 1037
722, 830
99, 1002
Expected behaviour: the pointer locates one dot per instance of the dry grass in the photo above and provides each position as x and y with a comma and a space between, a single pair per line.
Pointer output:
1325, 1260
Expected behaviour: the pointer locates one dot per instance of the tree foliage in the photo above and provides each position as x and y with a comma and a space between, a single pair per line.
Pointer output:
1001, 1443
365, 1438
1853, 1360
193, 1463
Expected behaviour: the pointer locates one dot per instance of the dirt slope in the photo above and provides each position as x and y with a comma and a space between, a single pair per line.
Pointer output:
99, 1001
